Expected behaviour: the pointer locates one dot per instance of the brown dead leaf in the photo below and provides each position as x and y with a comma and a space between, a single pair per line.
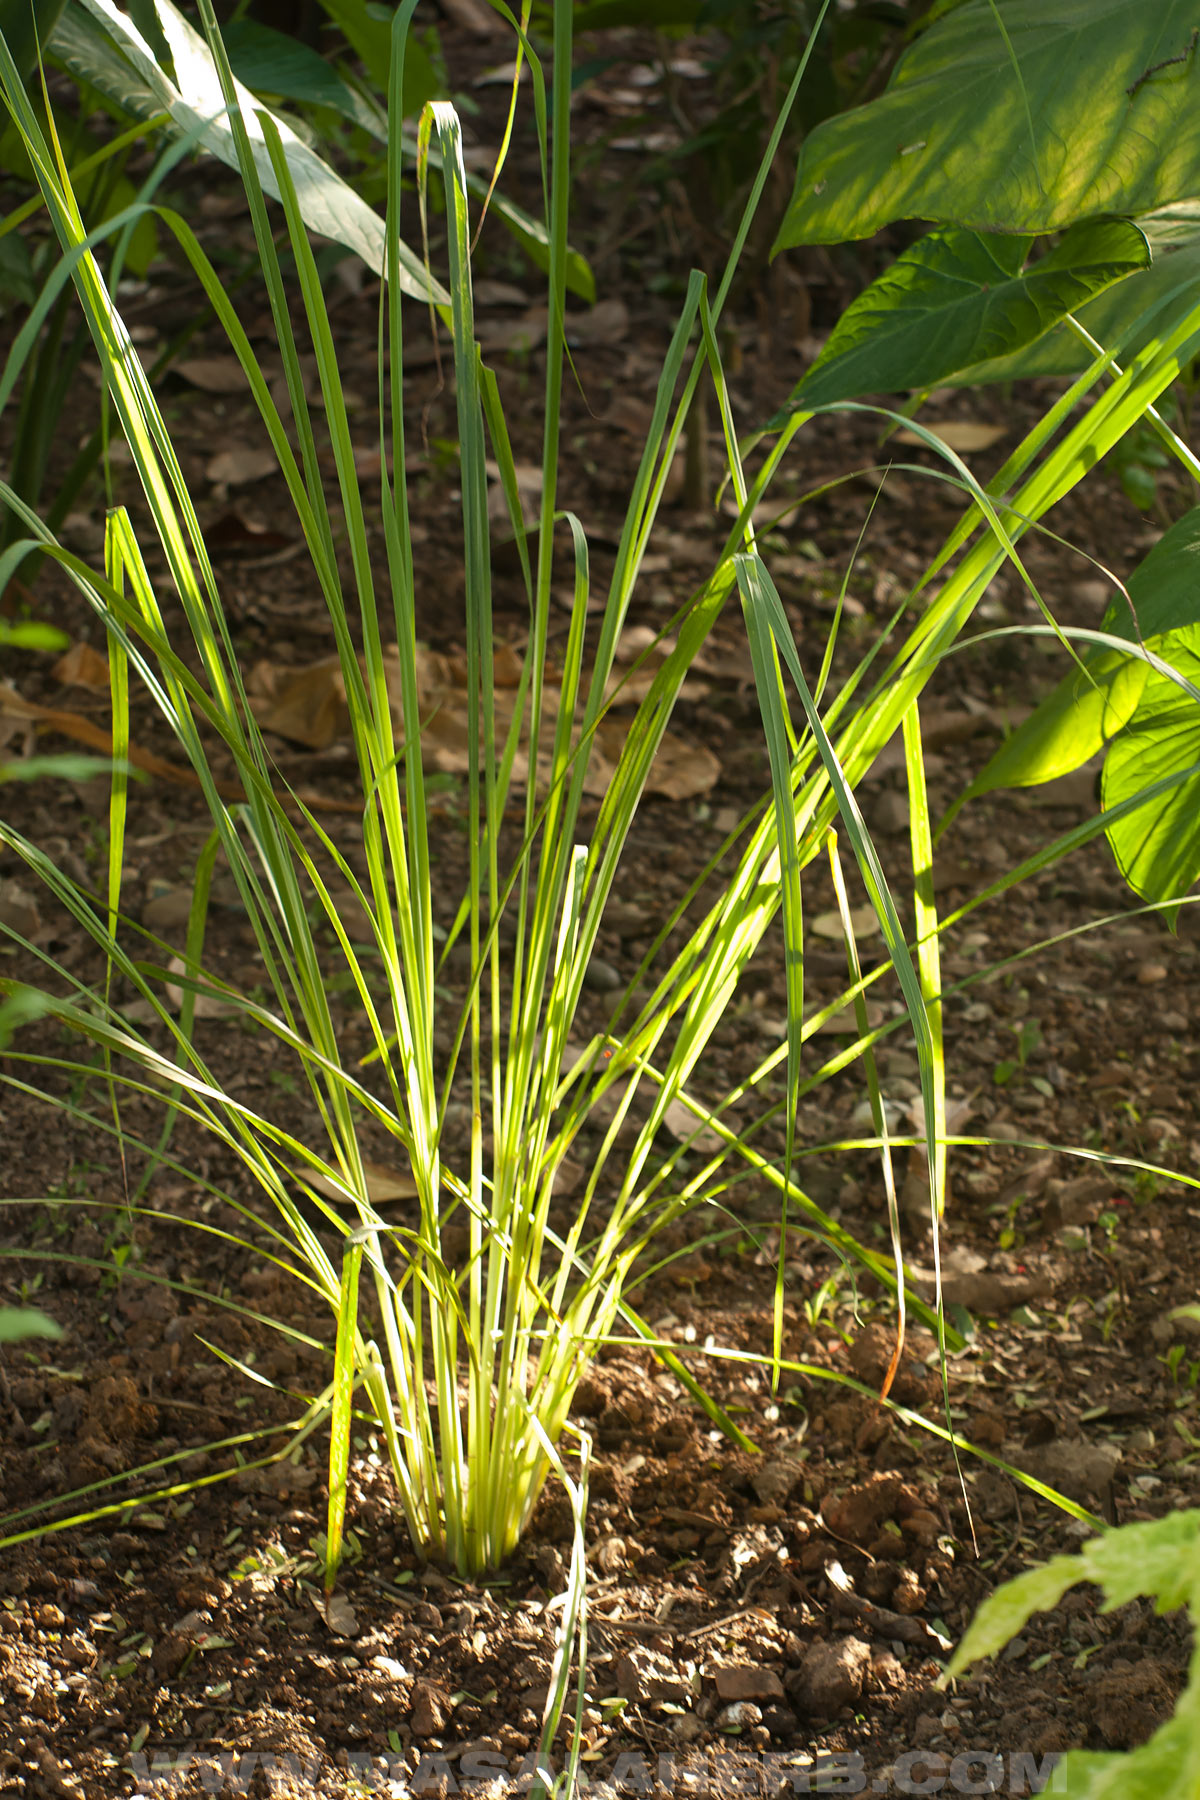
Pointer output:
529, 490
682, 771
679, 771
863, 923
240, 463
307, 706
473, 16
502, 75
507, 337
208, 1006
681, 1122
234, 535
498, 293
844, 1023
81, 666
959, 434
941, 729
213, 374
383, 1184
337, 1613
606, 323
568, 1179
18, 910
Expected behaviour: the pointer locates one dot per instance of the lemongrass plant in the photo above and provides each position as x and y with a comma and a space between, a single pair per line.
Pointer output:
467, 1365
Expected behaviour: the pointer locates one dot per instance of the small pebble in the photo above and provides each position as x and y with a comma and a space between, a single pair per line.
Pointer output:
738, 1716
1150, 973
687, 1728
601, 976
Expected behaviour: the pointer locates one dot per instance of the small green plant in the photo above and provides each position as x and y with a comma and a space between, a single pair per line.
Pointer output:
1162, 1559
18, 1322
1029, 1036
1140, 460
1174, 1360
825, 1299
459, 1336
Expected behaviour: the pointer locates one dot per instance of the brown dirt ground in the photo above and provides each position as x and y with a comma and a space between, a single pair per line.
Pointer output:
771, 1622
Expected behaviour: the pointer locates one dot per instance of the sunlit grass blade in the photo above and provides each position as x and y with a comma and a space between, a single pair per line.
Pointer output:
928, 950
344, 1362
878, 1109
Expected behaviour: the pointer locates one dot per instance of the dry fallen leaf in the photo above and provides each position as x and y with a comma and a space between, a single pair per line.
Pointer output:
679, 772
681, 1122
863, 923
307, 706
18, 910
529, 490
383, 1184
606, 323
959, 434
241, 463
513, 336
682, 771
473, 16
502, 74
498, 293
941, 729
213, 374
208, 1006
81, 666
337, 1613
844, 1023
234, 535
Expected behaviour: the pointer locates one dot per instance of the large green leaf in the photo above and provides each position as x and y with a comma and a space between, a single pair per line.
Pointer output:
196, 107
1124, 318
961, 297
1157, 1557
1089, 107
271, 62
1082, 714
1161, 1767
1004, 1613
1148, 712
268, 61
1164, 589
82, 45
368, 31
1160, 1557
1158, 847
27, 28
1086, 711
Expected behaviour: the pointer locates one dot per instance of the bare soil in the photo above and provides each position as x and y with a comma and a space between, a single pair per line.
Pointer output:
758, 1622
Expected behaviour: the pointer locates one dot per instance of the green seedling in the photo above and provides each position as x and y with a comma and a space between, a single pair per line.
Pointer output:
1029, 1036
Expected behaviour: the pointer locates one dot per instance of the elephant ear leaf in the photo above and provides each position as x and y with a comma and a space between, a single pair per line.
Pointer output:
1157, 846
1075, 721
1022, 117
960, 298
1146, 712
